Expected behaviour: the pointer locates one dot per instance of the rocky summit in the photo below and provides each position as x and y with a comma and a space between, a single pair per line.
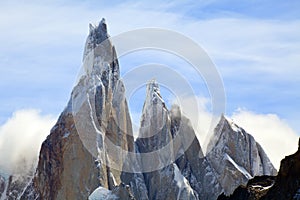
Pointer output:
91, 153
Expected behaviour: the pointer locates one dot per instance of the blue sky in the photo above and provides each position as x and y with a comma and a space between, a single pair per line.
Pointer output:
42, 44
255, 45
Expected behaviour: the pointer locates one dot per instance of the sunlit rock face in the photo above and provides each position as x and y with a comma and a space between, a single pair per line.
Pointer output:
236, 156
73, 160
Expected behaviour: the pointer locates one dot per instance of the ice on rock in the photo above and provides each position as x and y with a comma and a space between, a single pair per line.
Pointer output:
182, 182
241, 169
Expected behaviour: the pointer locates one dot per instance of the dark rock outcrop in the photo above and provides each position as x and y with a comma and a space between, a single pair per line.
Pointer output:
288, 178
284, 186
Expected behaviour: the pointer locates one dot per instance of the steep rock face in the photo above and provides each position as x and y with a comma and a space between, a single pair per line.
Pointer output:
66, 170
73, 159
236, 156
166, 182
155, 131
13, 185
2, 186
134, 178
17, 184
190, 159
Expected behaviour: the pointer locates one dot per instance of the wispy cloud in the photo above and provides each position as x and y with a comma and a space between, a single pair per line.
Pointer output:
21, 137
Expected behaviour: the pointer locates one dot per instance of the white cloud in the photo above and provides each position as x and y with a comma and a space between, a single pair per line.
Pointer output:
273, 133
21, 137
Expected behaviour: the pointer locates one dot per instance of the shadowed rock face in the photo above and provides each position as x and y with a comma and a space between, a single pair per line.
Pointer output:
2, 186
254, 190
236, 156
191, 161
288, 179
284, 186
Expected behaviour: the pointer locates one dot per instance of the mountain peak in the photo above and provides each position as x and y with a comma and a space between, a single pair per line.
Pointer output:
233, 125
99, 30
100, 56
97, 34
153, 93
153, 87
233, 151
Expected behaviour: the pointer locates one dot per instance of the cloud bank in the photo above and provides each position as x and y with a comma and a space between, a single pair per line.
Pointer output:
273, 133
21, 137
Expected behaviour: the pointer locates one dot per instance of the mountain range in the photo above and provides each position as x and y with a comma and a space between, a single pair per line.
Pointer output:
91, 152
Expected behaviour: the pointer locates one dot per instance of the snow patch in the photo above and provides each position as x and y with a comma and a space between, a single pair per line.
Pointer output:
103, 194
261, 187
113, 178
66, 134
241, 169
181, 181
